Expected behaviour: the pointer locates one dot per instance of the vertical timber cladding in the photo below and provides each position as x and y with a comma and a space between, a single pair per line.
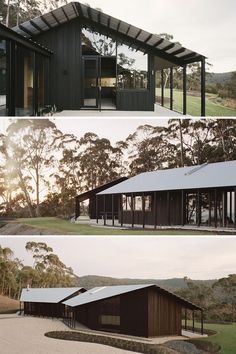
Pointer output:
134, 313
65, 64
164, 314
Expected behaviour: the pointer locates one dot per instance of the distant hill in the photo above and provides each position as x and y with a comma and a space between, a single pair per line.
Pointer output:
218, 78
8, 305
90, 281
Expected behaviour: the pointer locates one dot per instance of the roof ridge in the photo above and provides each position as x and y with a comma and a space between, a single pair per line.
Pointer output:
195, 169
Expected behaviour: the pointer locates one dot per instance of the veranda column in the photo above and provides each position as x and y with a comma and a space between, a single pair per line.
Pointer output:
168, 208
224, 202
203, 88
209, 211
184, 90
202, 330
143, 210
121, 210
193, 322
132, 209
198, 208
183, 209
185, 319
215, 207
235, 207
171, 89
155, 210
97, 209
104, 209
162, 87
112, 209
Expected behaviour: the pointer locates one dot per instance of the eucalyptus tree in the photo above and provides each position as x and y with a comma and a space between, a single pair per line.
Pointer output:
31, 146
146, 149
98, 162
49, 269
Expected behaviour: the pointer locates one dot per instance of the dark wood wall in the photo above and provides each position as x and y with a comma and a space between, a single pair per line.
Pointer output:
144, 313
65, 64
164, 314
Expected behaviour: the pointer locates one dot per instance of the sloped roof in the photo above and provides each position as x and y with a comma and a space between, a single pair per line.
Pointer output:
101, 293
8, 33
47, 295
86, 195
138, 38
220, 174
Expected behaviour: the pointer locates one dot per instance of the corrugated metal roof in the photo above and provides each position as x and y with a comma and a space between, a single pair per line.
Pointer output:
221, 174
101, 293
47, 295
138, 38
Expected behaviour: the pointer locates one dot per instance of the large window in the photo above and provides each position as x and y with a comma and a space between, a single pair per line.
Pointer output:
110, 313
132, 68
138, 204
95, 43
3, 78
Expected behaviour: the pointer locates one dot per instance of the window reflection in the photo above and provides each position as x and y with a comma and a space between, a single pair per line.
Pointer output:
132, 68
95, 43
3, 79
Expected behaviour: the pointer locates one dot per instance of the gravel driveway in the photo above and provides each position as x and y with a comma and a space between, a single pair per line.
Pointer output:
25, 335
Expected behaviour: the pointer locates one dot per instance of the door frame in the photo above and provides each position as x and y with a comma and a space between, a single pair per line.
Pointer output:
98, 91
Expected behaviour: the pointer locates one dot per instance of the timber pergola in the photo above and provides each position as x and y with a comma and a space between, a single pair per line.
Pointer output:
196, 195
166, 54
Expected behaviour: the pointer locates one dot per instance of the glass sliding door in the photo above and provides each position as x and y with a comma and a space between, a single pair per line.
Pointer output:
3, 78
90, 82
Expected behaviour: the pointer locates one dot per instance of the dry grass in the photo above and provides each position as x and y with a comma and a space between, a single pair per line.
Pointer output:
8, 305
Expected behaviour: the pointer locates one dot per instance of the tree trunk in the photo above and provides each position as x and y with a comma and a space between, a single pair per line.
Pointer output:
8, 13
37, 192
181, 143
26, 194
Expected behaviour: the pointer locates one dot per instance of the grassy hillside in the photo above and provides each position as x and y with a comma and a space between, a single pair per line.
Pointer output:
225, 337
194, 104
90, 281
218, 78
49, 225
8, 305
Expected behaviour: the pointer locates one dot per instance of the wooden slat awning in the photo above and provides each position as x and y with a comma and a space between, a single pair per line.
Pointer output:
134, 36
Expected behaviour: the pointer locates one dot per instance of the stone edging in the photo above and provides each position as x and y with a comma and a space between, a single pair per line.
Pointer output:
125, 344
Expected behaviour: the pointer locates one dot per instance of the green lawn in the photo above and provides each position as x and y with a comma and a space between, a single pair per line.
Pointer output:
225, 337
65, 227
194, 105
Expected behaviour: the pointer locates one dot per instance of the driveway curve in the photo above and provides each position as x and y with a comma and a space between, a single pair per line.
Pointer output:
25, 335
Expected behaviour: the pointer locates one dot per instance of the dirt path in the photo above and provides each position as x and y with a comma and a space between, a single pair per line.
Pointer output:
25, 335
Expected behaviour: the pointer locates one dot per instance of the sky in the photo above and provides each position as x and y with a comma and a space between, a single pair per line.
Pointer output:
114, 129
145, 257
205, 26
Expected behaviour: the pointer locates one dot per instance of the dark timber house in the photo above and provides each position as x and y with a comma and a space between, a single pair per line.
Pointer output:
93, 61
95, 206
140, 310
196, 195
47, 302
